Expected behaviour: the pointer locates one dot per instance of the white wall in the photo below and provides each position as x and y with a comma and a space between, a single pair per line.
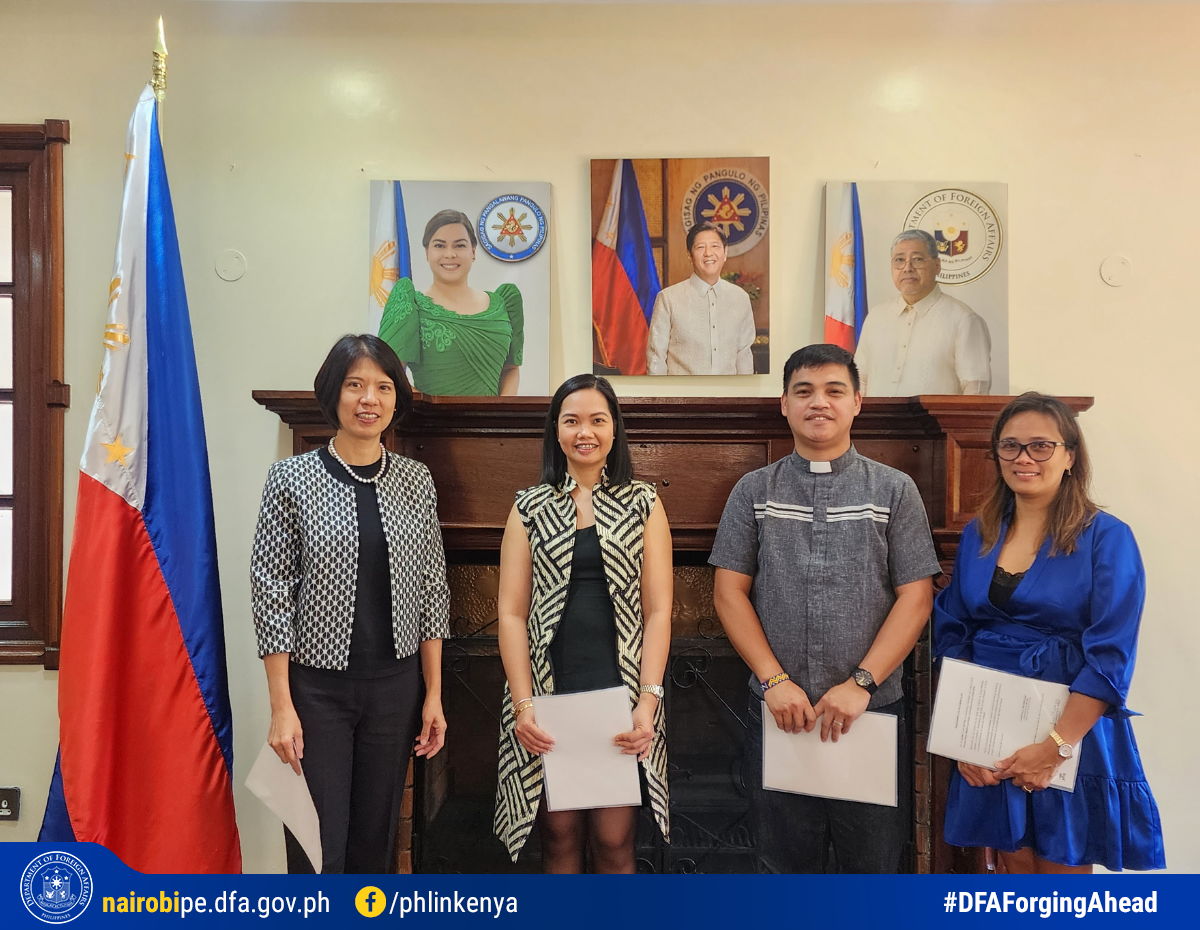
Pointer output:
277, 115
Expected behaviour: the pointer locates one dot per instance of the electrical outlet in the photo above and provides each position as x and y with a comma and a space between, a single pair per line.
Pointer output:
10, 804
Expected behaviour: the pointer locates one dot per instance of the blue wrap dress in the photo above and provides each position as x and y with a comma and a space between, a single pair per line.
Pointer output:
1072, 619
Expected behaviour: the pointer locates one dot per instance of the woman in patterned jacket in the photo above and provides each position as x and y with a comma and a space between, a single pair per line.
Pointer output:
585, 603
348, 582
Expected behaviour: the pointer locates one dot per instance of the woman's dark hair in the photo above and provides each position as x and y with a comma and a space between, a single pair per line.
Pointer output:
448, 218
327, 385
554, 461
1072, 509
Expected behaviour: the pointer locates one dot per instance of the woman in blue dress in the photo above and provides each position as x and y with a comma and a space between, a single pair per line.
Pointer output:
1048, 586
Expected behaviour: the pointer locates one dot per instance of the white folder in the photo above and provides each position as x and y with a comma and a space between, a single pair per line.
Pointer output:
585, 769
981, 716
860, 766
286, 794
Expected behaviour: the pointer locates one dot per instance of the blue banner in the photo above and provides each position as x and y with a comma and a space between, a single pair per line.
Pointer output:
85, 885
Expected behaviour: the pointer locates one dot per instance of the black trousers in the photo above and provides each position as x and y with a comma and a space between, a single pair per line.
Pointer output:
358, 735
798, 833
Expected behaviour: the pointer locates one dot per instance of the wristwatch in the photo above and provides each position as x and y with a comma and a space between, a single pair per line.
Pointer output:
657, 690
1065, 749
865, 679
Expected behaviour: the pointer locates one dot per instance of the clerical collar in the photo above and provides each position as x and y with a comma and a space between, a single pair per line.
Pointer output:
834, 467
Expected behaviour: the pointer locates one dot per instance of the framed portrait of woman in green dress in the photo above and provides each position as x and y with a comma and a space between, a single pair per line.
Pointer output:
460, 282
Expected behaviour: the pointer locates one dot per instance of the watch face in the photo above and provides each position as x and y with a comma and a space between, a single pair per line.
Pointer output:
1066, 750
863, 678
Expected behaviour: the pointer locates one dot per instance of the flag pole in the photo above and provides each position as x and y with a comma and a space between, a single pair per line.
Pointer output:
158, 79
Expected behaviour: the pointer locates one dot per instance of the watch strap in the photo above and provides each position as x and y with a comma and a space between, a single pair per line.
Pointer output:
1065, 749
865, 680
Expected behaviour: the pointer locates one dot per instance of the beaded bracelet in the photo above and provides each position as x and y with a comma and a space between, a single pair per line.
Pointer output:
774, 680
521, 706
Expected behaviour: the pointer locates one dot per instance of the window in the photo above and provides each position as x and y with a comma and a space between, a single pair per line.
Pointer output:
33, 397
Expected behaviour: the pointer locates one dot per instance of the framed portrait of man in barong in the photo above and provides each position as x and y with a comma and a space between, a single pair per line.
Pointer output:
916, 284
680, 266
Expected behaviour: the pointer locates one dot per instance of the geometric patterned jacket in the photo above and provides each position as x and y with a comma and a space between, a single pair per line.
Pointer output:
304, 564
548, 514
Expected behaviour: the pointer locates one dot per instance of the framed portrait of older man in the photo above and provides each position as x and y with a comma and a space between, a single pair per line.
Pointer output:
916, 284
680, 266
459, 283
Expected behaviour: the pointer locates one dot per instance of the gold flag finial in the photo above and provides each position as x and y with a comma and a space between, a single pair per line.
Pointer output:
158, 79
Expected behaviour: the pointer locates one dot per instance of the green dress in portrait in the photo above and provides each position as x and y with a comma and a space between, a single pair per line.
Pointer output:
452, 353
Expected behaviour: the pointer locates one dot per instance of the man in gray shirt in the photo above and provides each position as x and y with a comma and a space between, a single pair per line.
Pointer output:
824, 563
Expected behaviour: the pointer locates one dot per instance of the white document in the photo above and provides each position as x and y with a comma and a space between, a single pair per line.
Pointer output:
585, 768
981, 716
860, 766
286, 794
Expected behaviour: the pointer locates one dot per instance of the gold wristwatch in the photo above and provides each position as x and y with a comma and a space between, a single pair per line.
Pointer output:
1065, 749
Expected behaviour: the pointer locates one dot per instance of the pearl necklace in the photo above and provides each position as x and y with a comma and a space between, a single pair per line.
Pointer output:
355, 475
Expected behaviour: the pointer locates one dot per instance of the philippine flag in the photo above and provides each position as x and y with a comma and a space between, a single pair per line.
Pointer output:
624, 277
846, 269
391, 257
146, 742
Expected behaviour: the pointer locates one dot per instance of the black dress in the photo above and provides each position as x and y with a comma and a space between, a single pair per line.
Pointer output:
583, 654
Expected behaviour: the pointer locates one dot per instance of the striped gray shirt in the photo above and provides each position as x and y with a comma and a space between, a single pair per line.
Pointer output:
827, 551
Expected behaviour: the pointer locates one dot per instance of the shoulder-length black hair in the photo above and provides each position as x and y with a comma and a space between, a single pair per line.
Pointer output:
554, 461
327, 385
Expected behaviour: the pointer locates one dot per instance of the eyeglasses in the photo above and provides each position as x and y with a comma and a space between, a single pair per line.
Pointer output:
1040, 450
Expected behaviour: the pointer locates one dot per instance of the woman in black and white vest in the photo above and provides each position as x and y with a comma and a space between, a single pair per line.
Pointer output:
584, 604
348, 582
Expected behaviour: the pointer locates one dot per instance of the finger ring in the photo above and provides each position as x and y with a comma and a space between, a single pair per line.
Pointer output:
838, 724
1027, 789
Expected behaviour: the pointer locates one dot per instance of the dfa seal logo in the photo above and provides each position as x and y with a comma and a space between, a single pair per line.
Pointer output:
56, 887
733, 200
512, 228
966, 229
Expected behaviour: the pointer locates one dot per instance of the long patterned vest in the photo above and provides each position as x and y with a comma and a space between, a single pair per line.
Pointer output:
548, 514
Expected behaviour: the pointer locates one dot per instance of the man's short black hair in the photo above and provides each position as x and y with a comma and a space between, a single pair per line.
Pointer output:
327, 385
704, 227
816, 355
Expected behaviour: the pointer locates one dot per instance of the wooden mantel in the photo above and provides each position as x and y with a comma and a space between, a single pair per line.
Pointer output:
482, 450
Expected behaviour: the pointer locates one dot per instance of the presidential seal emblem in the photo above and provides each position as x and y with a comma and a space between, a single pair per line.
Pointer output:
966, 229
56, 887
512, 228
733, 200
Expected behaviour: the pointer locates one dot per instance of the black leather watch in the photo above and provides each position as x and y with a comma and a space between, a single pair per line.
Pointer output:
865, 679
